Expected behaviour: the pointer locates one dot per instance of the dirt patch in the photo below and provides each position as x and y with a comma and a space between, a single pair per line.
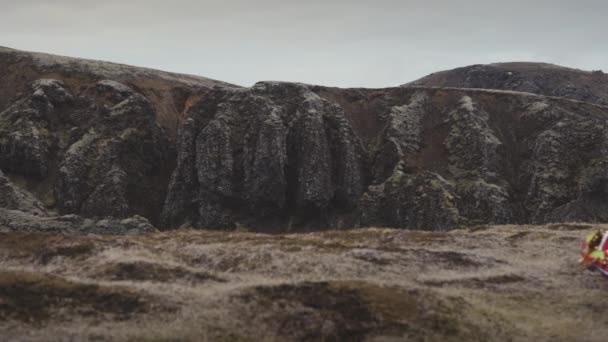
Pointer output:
146, 271
338, 241
81, 250
326, 245
412, 314
449, 258
314, 311
36, 298
203, 237
43, 247
373, 256
479, 228
477, 282
17, 244
567, 240
356, 311
518, 236
569, 226
424, 238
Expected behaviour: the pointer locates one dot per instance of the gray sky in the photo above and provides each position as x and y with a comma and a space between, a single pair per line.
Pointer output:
333, 42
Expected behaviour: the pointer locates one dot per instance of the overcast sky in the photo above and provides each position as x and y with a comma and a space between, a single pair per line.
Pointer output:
333, 42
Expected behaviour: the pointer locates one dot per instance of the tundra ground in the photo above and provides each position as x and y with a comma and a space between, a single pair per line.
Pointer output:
485, 283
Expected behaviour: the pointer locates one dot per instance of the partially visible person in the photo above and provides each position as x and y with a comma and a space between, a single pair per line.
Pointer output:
595, 250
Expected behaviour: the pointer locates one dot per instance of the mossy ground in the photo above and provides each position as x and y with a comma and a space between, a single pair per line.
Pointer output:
37, 298
475, 284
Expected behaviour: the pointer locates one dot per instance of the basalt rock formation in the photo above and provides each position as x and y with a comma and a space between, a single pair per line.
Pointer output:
108, 142
291, 154
276, 152
84, 144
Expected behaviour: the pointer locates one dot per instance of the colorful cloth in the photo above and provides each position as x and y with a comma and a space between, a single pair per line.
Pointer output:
594, 251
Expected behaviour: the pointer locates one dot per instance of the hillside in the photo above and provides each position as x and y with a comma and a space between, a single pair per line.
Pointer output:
97, 141
170, 93
140, 205
538, 78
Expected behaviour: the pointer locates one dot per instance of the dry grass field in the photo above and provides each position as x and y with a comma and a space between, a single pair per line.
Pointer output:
503, 283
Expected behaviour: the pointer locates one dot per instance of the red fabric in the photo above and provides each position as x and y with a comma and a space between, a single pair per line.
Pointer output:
602, 267
604, 248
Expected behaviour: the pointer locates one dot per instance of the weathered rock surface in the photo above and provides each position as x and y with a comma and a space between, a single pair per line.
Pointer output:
276, 153
303, 156
98, 140
91, 154
19, 221
14, 198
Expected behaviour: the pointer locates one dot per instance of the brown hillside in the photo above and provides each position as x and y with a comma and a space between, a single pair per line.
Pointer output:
171, 93
538, 78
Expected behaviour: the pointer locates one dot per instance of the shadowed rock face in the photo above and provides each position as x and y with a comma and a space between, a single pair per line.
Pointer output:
87, 137
15, 198
91, 139
275, 153
88, 153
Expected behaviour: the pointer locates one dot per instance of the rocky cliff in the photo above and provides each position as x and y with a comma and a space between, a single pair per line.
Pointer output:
101, 141
90, 138
292, 154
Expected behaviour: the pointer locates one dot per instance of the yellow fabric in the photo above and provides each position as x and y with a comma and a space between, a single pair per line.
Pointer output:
598, 255
591, 236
